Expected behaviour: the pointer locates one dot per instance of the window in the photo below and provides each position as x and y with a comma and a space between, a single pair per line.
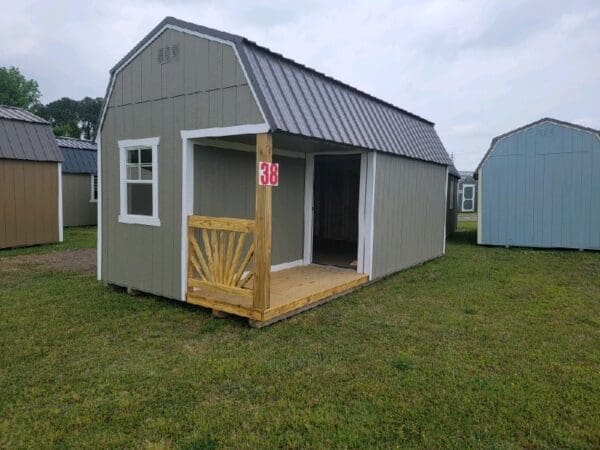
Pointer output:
94, 188
139, 181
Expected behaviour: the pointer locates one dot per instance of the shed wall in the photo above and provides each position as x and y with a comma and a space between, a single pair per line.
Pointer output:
225, 186
410, 213
78, 210
204, 87
541, 188
28, 203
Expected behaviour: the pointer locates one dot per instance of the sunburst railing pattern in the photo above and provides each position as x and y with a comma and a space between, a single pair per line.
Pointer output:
220, 253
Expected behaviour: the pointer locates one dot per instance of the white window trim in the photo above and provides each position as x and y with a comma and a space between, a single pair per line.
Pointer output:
92, 199
133, 218
472, 198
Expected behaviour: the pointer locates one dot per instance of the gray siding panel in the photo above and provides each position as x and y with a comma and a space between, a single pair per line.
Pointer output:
541, 189
225, 187
410, 213
172, 99
77, 208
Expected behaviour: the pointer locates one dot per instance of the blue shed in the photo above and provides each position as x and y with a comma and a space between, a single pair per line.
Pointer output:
539, 186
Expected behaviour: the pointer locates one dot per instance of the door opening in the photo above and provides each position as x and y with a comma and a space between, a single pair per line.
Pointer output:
335, 214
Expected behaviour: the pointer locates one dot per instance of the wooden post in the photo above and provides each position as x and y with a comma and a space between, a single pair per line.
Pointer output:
262, 233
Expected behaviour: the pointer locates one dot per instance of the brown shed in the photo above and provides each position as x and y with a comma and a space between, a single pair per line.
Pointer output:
30, 180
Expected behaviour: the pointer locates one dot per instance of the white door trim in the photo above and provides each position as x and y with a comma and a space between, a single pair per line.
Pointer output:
309, 178
462, 203
366, 199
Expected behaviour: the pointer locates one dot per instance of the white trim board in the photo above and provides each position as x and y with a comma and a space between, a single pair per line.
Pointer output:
229, 145
60, 204
99, 210
150, 41
309, 182
446, 208
369, 234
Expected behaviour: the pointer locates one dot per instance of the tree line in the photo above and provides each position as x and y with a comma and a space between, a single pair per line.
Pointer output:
68, 117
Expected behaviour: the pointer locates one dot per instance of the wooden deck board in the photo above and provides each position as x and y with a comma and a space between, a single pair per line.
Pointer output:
292, 290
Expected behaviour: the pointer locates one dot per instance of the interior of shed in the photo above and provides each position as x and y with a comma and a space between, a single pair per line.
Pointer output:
335, 210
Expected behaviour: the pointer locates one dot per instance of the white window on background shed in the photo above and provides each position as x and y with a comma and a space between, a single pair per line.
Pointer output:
139, 181
94, 188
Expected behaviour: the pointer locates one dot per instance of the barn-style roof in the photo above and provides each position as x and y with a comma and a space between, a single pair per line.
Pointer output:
79, 155
529, 125
25, 136
301, 101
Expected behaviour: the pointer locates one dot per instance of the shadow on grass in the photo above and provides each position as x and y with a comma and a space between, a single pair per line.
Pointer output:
465, 237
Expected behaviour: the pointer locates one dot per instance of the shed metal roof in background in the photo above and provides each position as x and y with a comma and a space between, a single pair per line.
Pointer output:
25, 136
302, 101
79, 155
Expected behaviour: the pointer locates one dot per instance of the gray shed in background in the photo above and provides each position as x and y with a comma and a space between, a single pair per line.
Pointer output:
363, 183
80, 183
539, 186
30, 182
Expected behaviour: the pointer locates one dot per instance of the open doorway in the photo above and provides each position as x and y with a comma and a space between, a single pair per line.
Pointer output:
335, 214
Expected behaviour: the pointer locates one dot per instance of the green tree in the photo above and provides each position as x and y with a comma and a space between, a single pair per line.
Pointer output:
16, 90
72, 118
89, 112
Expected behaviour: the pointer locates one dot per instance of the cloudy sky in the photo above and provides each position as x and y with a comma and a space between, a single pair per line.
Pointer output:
475, 68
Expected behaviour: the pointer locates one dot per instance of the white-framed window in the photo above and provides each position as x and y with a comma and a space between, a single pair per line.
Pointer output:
93, 188
139, 181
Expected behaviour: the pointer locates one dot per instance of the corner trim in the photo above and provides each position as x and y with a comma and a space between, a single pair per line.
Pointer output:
60, 204
99, 211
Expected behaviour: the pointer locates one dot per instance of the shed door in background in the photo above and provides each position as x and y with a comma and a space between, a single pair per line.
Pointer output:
468, 198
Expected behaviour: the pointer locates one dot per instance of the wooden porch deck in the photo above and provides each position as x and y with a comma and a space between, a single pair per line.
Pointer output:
292, 291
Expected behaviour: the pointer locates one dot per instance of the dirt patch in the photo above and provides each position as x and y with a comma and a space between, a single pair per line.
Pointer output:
82, 260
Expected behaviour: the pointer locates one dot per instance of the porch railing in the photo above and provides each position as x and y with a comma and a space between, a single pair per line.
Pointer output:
220, 251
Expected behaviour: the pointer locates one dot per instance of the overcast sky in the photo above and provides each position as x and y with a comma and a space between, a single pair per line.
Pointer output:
477, 69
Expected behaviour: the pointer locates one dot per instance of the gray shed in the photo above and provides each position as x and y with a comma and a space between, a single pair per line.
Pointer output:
30, 182
79, 181
194, 206
539, 186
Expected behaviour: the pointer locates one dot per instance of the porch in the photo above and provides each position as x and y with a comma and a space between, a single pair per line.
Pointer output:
229, 260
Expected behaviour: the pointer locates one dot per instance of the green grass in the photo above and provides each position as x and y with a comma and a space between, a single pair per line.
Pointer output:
74, 238
486, 347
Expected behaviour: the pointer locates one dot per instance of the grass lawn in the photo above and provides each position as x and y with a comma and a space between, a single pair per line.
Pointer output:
74, 238
486, 347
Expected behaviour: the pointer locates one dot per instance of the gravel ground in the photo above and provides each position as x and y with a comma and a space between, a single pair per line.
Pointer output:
83, 260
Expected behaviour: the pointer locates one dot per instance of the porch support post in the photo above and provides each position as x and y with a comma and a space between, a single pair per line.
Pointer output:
262, 233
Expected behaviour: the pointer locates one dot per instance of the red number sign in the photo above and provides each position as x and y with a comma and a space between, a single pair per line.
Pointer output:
269, 174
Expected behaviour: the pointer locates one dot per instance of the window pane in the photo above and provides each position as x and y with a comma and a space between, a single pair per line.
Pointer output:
468, 192
146, 155
132, 156
146, 172
133, 173
139, 199
468, 205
